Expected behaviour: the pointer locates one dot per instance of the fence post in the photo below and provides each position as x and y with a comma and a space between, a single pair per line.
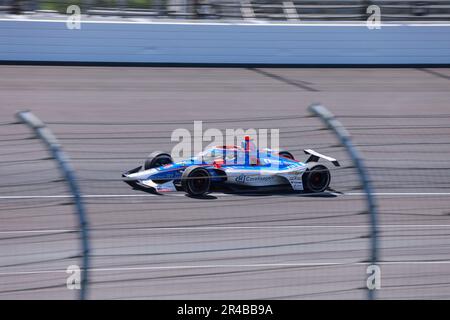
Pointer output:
344, 137
44, 133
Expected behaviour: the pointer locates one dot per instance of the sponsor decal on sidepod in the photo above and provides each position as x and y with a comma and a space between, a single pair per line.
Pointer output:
244, 178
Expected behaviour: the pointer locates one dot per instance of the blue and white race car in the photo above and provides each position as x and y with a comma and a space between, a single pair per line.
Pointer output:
232, 168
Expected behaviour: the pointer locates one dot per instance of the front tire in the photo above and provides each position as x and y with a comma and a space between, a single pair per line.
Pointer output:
196, 181
157, 159
316, 178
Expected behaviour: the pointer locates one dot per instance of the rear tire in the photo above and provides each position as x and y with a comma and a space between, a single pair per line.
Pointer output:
157, 159
196, 181
316, 178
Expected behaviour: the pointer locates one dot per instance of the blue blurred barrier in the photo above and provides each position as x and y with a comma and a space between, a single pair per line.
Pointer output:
224, 43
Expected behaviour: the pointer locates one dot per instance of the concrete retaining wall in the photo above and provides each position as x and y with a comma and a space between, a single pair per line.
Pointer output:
220, 43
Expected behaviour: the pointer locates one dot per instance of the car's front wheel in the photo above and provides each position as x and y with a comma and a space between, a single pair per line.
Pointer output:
196, 181
157, 159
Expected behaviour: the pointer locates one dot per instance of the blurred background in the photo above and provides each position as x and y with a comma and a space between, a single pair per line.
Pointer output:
332, 10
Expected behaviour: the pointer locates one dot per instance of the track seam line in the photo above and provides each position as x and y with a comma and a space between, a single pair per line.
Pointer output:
263, 265
412, 226
220, 195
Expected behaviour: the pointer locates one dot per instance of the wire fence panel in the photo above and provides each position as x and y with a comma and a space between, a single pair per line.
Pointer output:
34, 182
39, 234
406, 156
172, 246
247, 245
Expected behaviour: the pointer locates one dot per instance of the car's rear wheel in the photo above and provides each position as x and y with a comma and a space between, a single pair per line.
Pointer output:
157, 159
196, 181
316, 178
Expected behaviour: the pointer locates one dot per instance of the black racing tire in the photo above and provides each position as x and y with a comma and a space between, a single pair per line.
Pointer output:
317, 178
196, 181
157, 159
286, 154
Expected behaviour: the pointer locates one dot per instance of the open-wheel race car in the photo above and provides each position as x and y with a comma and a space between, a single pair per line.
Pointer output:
232, 168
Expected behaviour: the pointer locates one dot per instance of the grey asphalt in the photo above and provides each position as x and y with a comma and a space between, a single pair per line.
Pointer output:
229, 246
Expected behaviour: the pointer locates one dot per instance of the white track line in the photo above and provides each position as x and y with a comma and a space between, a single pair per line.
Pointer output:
400, 194
140, 195
64, 196
263, 265
256, 23
38, 231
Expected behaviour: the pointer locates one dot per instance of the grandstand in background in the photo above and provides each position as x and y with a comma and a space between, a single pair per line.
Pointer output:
288, 10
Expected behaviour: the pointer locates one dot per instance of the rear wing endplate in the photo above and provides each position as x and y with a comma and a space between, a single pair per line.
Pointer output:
315, 156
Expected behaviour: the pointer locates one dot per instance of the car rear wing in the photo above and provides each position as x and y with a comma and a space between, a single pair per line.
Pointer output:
315, 156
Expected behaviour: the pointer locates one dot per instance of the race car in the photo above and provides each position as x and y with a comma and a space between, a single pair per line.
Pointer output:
232, 168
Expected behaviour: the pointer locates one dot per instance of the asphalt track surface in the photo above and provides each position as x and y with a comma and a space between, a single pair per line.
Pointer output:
227, 246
